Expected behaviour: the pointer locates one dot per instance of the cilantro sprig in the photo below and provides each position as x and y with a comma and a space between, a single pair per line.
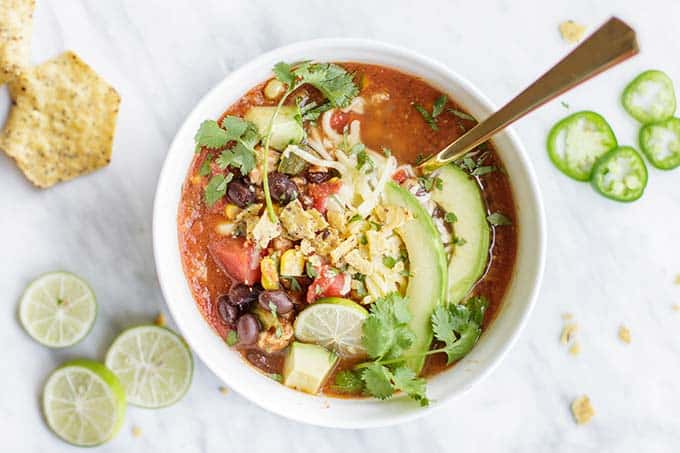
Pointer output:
333, 81
387, 337
437, 109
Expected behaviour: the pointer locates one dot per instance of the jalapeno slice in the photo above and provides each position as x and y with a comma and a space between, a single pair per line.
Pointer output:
577, 141
620, 174
661, 143
649, 97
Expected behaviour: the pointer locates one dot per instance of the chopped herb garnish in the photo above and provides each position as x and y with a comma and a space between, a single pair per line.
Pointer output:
420, 158
462, 115
363, 240
216, 188
364, 160
564, 104
459, 241
276, 376
389, 261
427, 116
309, 269
292, 281
498, 219
355, 218
480, 171
450, 217
232, 338
386, 151
430, 182
438, 106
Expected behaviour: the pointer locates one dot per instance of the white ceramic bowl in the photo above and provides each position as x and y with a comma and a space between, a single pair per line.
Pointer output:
319, 410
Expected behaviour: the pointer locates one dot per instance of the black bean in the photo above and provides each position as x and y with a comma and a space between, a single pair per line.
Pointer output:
248, 328
242, 295
229, 313
240, 193
278, 299
317, 177
262, 361
282, 188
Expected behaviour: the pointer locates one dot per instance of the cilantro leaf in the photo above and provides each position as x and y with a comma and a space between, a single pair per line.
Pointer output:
238, 157
378, 381
498, 219
284, 73
458, 326
462, 115
385, 332
438, 106
364, 160
211, 135
235, 126
459, 349
389, 261
405, 379
442, 324
216, 188
429, 119
480, 171
348, 381
334, 82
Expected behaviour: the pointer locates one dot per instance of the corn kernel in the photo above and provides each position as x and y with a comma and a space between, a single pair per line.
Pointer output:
292, 263
270, 277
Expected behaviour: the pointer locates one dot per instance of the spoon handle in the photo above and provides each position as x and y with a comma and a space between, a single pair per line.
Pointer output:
609, 45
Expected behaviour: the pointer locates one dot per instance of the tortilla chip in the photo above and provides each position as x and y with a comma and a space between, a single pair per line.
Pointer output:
571, 31
16, 25
62, 122
582, 410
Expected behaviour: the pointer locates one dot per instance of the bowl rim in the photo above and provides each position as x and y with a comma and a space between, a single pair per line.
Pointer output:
376, 48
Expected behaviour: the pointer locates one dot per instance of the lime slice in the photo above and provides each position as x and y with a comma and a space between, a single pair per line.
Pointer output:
58, 309
333, 323
84, 403
154, 365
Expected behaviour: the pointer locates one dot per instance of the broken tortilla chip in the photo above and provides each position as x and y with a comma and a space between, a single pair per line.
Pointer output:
582, 410
62, 122
16, 26
571, 31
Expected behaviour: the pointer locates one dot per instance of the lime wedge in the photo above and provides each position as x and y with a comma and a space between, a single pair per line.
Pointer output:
333, 323
58, 309
154, 365
84, 403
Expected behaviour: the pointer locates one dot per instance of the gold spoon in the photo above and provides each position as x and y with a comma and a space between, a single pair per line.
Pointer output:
609, 45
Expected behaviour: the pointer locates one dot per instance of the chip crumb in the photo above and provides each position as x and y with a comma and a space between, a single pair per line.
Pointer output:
160, 320
136, 431
582, 410
571, 31
575, 348
676, 307
223, 390
568, 333
677, 279
326, 405
567, 316
624, 334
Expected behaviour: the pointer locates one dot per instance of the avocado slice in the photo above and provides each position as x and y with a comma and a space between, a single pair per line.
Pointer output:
427, 263
461, 195
307, 366
286, 129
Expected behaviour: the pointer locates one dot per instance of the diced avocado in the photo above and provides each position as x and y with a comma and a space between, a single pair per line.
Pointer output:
461, 195
270, 275
286, 129
427, 264
292, 263
307, 366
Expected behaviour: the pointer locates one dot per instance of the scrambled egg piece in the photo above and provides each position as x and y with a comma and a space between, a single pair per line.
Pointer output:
301, 224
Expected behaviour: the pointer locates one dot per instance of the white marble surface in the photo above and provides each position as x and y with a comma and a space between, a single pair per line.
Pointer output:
607, 263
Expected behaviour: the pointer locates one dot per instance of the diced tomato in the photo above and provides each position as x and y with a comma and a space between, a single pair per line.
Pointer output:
329, 283
339, 120
321, 192
237, 258
400, 176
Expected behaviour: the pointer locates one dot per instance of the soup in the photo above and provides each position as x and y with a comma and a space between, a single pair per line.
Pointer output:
318, 250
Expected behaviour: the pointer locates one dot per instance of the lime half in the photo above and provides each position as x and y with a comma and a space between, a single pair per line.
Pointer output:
58, 309
154, 365
333, 323
84, 403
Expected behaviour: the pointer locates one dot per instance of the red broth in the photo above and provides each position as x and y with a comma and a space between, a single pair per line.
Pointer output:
394, 124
